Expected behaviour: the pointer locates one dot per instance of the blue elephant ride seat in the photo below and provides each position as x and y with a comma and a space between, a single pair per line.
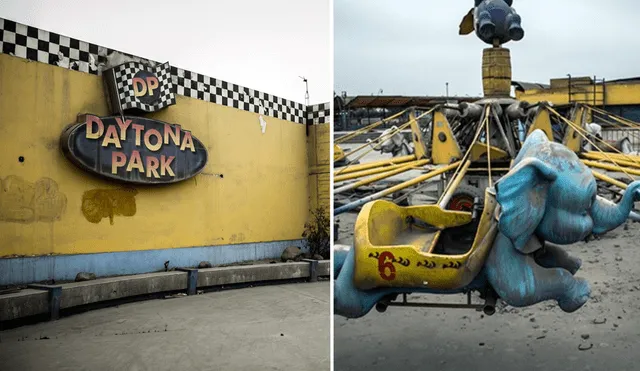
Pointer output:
422, 246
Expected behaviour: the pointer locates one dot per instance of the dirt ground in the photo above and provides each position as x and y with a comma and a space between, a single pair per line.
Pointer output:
279, 327
603, 335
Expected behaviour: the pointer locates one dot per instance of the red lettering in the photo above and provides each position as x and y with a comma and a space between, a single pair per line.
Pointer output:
152, 167
138, 129
139, 87
91, 120
383, 265
123, 127
118, 159
165, 165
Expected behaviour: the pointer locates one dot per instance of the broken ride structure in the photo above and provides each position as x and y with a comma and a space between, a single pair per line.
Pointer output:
519, 179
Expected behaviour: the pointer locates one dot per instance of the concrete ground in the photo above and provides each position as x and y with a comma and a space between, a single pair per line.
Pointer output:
603, 335
284, 327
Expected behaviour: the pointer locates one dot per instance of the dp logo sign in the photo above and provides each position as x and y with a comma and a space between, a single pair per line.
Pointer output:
146, 87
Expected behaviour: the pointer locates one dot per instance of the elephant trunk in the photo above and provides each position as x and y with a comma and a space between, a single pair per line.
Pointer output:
607, 215
486, 27
516, 33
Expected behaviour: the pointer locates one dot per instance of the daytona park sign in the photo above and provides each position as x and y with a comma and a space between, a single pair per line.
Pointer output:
133, 149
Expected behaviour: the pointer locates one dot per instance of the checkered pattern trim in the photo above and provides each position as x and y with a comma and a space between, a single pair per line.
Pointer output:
124, 74
49, 47
199, 86
319, 114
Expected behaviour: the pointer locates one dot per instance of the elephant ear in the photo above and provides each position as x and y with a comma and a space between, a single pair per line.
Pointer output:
522, 195
467, 25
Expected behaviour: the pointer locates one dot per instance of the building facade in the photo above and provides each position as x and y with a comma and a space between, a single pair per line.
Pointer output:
266, 169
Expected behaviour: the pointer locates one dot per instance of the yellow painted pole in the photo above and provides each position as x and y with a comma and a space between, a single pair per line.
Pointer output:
446, 197
374, 164
375, 143
360, 174
368, 128
609, 180
375, 178
617, 159
609, 167
477, 169
396, 188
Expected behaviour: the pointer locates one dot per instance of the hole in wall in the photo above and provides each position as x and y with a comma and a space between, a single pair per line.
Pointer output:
21, 159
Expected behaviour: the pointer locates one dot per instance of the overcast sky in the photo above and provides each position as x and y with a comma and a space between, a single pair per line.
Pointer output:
263, 45
412, 47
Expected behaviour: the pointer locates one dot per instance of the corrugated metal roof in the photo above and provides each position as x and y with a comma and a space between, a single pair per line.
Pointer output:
395, 101
522, 86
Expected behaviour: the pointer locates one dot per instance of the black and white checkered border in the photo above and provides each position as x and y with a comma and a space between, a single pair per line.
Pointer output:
124, 74
199, 86
49, 47
319, 113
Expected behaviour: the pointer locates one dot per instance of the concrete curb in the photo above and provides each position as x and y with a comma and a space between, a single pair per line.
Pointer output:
30, 302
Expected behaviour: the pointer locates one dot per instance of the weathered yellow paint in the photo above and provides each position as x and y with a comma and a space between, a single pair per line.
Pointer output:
383, 227
615, 94
363, 173
319, 142
572, 139
610, 167
625, 160
608, 179
479, 150
542, 121
408, 166
263, 196
447, 151
496, 72
420, 149
372, 165
338, 153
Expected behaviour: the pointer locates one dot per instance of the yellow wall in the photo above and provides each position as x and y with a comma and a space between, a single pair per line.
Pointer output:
319, 166
264, 195
615, 94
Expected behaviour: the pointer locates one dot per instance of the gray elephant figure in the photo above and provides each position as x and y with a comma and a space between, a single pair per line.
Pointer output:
493, 20
395, 144
548, 196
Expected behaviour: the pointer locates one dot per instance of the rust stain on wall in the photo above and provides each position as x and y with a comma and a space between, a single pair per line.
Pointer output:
107, 203
25, 202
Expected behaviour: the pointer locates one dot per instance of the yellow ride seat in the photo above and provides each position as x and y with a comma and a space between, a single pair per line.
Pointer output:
404, 247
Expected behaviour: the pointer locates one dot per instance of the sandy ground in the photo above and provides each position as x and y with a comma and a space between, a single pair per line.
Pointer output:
541, 337
283, 327
603, 335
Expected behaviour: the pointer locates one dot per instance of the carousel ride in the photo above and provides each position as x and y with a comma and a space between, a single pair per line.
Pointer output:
518, 181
